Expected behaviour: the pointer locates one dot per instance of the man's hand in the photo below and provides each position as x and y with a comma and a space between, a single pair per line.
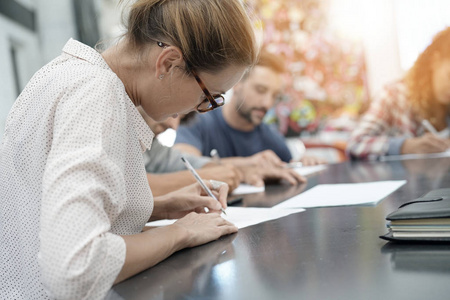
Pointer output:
312, 161
266, 158
226, 173
258, 175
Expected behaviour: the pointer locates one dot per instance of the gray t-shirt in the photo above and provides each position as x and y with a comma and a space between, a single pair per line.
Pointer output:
163, 159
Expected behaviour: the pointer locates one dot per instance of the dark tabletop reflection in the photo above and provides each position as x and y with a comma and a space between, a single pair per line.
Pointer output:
435, 171
433, 258
189, 270
321, 253
273, 194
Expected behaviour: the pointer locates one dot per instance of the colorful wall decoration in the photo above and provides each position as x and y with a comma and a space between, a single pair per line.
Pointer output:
327, 75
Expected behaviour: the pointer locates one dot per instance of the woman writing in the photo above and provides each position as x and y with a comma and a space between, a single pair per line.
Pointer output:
75, 196
394, 122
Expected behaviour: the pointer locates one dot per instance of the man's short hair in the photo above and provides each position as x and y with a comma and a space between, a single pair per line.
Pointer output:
269, 60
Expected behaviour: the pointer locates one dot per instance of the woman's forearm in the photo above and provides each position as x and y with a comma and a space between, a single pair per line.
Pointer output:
162, 184
146, 249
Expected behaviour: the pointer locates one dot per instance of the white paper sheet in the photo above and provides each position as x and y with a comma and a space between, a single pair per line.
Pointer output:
244, 216
304, 171
343, 194
415, 156
247, 189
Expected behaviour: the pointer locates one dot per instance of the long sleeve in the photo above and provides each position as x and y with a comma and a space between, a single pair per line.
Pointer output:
72, 180
83, 193
162, 159
383, 128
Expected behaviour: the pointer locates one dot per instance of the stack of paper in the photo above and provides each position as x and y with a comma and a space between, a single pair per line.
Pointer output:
437, 227
427, 217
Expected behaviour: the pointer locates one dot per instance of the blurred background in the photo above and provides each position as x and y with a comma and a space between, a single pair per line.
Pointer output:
339, 53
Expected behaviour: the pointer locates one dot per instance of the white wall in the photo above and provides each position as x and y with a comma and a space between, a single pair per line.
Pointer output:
417, 22
54, 26
393, 32
371, 22
28, 57
110, 19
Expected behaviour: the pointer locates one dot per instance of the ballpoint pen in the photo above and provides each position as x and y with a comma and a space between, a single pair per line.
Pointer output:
429, 127
202, 183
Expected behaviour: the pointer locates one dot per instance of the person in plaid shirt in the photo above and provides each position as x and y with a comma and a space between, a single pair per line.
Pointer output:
393, 123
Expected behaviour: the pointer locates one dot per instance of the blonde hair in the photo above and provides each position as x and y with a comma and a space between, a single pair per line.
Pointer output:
419, 80
212, 34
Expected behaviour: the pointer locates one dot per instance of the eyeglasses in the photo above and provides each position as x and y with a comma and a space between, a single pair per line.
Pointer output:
212, 101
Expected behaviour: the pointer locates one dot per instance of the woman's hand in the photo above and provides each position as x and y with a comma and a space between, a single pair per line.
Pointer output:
146, 249
203, 228
189, 199
427, 143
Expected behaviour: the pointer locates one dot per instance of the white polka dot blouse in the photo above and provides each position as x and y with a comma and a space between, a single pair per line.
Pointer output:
72, 180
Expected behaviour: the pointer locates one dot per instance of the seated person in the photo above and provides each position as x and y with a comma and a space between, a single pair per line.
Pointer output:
74, 193
166, 171
237, 129
393, 123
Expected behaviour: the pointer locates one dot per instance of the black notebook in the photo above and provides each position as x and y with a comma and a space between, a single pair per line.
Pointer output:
423, 219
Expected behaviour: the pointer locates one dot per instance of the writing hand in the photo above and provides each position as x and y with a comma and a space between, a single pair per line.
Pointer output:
192, 198
427, 143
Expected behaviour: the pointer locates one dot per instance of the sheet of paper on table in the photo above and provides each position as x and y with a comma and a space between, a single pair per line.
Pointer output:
244, 216
307, 170
323, 195
244, 188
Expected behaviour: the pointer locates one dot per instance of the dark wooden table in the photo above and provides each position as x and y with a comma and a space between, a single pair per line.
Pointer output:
322, 253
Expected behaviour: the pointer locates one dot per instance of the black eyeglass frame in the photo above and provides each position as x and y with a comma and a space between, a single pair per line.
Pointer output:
211, 98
